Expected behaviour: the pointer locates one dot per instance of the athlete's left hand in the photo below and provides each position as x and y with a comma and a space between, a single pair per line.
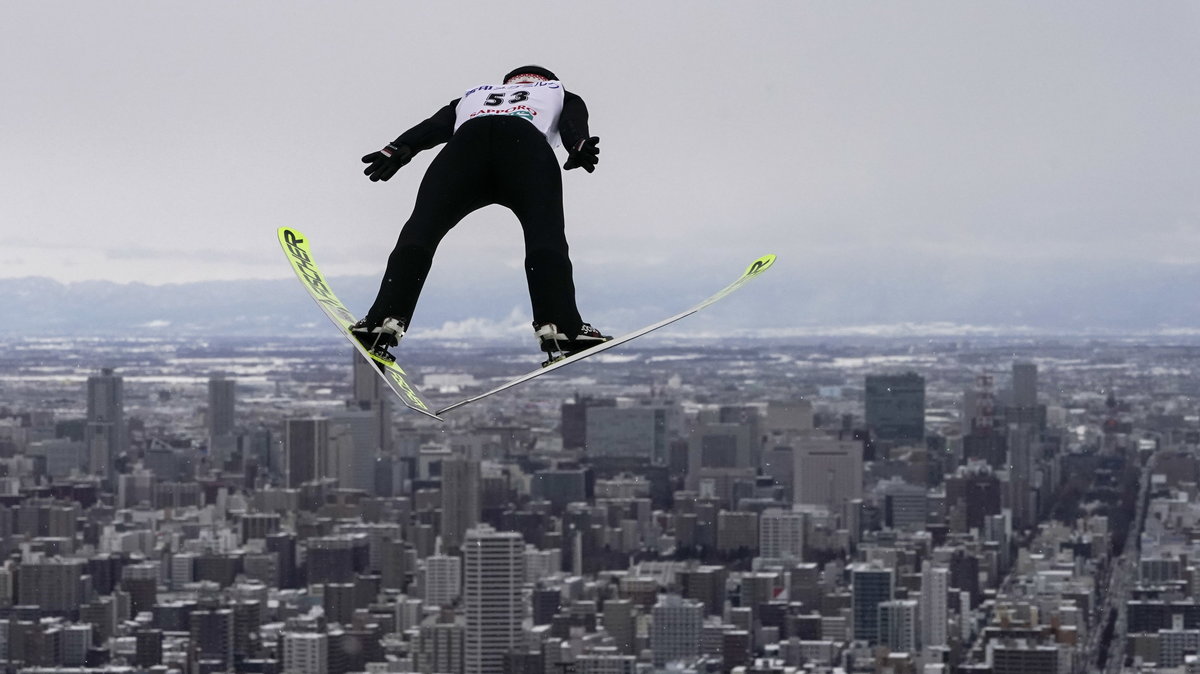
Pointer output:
585, 153
385, 163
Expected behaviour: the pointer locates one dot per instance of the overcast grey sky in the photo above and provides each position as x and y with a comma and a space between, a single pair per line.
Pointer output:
166, 141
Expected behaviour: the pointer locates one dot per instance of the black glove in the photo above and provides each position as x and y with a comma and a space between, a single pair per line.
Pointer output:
585, 153
386, 162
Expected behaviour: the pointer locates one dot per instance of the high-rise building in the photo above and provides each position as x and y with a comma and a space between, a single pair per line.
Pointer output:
306, 448
460, 499
676, 624
721, 445
829, 471
905, 506
440, 645
1024, 385
372, 394
705, 584
212, 634
221, 393
492, 597
870, 586
1022, 446
973, 493
52, 584
620, 622
640, 432
781, 535
305, 653
443, 580
394, 565
737, 530
935, 586
605, 663
149, 648
895, 408
335, 559
353, 446
339, 602
899, 625
1021, 657
574, 419
106, 435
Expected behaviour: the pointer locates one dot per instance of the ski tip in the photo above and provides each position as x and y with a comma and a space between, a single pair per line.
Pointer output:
760, 265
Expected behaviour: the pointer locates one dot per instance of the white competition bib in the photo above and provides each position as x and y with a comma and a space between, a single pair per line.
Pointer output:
539, 102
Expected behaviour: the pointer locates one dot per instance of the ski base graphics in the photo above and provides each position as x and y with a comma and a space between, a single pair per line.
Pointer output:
295, 245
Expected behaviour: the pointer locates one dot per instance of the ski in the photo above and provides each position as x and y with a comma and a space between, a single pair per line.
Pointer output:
757, 267
295, 245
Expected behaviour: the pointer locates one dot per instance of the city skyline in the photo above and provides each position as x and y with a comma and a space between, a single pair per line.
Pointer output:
553, 528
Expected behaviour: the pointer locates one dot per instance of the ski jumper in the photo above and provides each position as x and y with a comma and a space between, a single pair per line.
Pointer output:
499, 150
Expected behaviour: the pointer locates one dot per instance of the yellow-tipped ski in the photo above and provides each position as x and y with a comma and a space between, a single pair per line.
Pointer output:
757, 267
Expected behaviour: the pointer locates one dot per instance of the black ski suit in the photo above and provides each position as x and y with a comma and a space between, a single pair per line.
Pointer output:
493, 159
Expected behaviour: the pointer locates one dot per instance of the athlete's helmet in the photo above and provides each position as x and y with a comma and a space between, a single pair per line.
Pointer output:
537, 71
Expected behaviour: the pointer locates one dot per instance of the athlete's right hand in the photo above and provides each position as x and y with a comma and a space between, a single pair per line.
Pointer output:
385, 163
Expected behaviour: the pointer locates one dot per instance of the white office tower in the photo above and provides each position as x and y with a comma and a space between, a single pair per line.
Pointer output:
675, 629
305, 653
443, 580
781, 535
935, 584
492, 597
828, 471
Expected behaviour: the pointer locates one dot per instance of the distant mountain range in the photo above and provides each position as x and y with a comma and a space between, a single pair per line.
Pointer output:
785, 302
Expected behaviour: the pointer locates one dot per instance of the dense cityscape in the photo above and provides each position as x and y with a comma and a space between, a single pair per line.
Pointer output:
923, 506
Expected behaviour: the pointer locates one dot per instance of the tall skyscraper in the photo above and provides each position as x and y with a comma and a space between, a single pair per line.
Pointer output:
675, 629
1024, 384
492, 597
828, 471
220, 406
106, 435
1022, 446
870, 586
371, 394
353, 447
306, 449
895, 408
460, 499
781, 535
935, 585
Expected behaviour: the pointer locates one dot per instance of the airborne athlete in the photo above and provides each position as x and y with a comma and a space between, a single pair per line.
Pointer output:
499, 150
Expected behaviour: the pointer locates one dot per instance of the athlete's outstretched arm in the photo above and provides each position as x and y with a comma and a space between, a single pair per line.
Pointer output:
429, 133
582, 149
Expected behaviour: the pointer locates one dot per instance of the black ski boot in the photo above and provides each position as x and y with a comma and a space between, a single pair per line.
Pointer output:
558, 345
377, 339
